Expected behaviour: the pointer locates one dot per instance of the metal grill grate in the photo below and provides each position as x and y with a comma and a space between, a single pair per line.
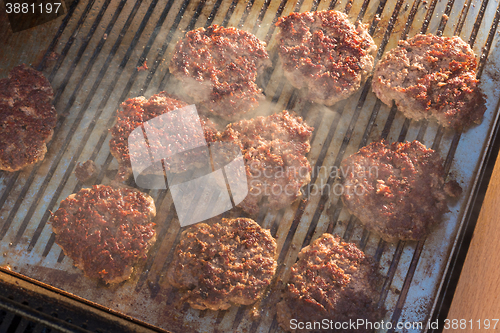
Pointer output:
101, 43
25, 308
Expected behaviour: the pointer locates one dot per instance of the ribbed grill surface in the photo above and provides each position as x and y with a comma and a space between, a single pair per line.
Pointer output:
102, 42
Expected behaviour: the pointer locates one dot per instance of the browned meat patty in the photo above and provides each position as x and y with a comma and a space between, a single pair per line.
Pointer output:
431, 77
397, 190
219, 264
218, 67
274, 149
331, 280
27, 118
106, 231
134, 113
325, 53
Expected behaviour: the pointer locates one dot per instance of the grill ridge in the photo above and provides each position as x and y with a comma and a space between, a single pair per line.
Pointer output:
81, 51
71, 40
32, 175
103, 103
159, 57
84, 108
66, 79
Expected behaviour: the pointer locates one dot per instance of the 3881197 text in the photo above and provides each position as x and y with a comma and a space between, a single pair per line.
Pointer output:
464, 324
25, 8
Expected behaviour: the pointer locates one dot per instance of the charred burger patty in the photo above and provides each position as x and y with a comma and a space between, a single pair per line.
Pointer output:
219, 264
106, 231
397, 190
431, 77
325, 53
27, 118
218, 67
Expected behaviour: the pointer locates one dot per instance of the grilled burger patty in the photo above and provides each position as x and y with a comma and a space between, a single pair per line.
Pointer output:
219, 264
27, 118
325, 53
331, 280
397, 190
136, 111
218, 67
274, 149
431, 77
106, 231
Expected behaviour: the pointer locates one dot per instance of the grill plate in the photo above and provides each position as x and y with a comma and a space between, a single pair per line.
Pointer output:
101, 44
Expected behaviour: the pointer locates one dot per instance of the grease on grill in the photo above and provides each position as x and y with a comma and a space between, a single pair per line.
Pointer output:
86, 172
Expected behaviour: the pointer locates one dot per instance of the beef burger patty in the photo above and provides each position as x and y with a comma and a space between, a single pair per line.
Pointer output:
431, 77
137, 111
218, 67
27, 118
331, 280
106, 231
325, 53
397, 190
274, 149
219, 264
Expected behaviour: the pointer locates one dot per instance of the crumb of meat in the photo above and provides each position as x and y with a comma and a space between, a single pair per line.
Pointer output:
396, 190
274, 149
144, 67
136, 111
106, 231
27, 118
218, 67
53, 56
432, 77
332, 279
87, 171
325, 53
255, 313
225, 263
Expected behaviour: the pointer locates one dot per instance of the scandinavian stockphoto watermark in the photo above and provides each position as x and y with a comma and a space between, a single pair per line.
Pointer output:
274, 180
220, 182
219, 186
